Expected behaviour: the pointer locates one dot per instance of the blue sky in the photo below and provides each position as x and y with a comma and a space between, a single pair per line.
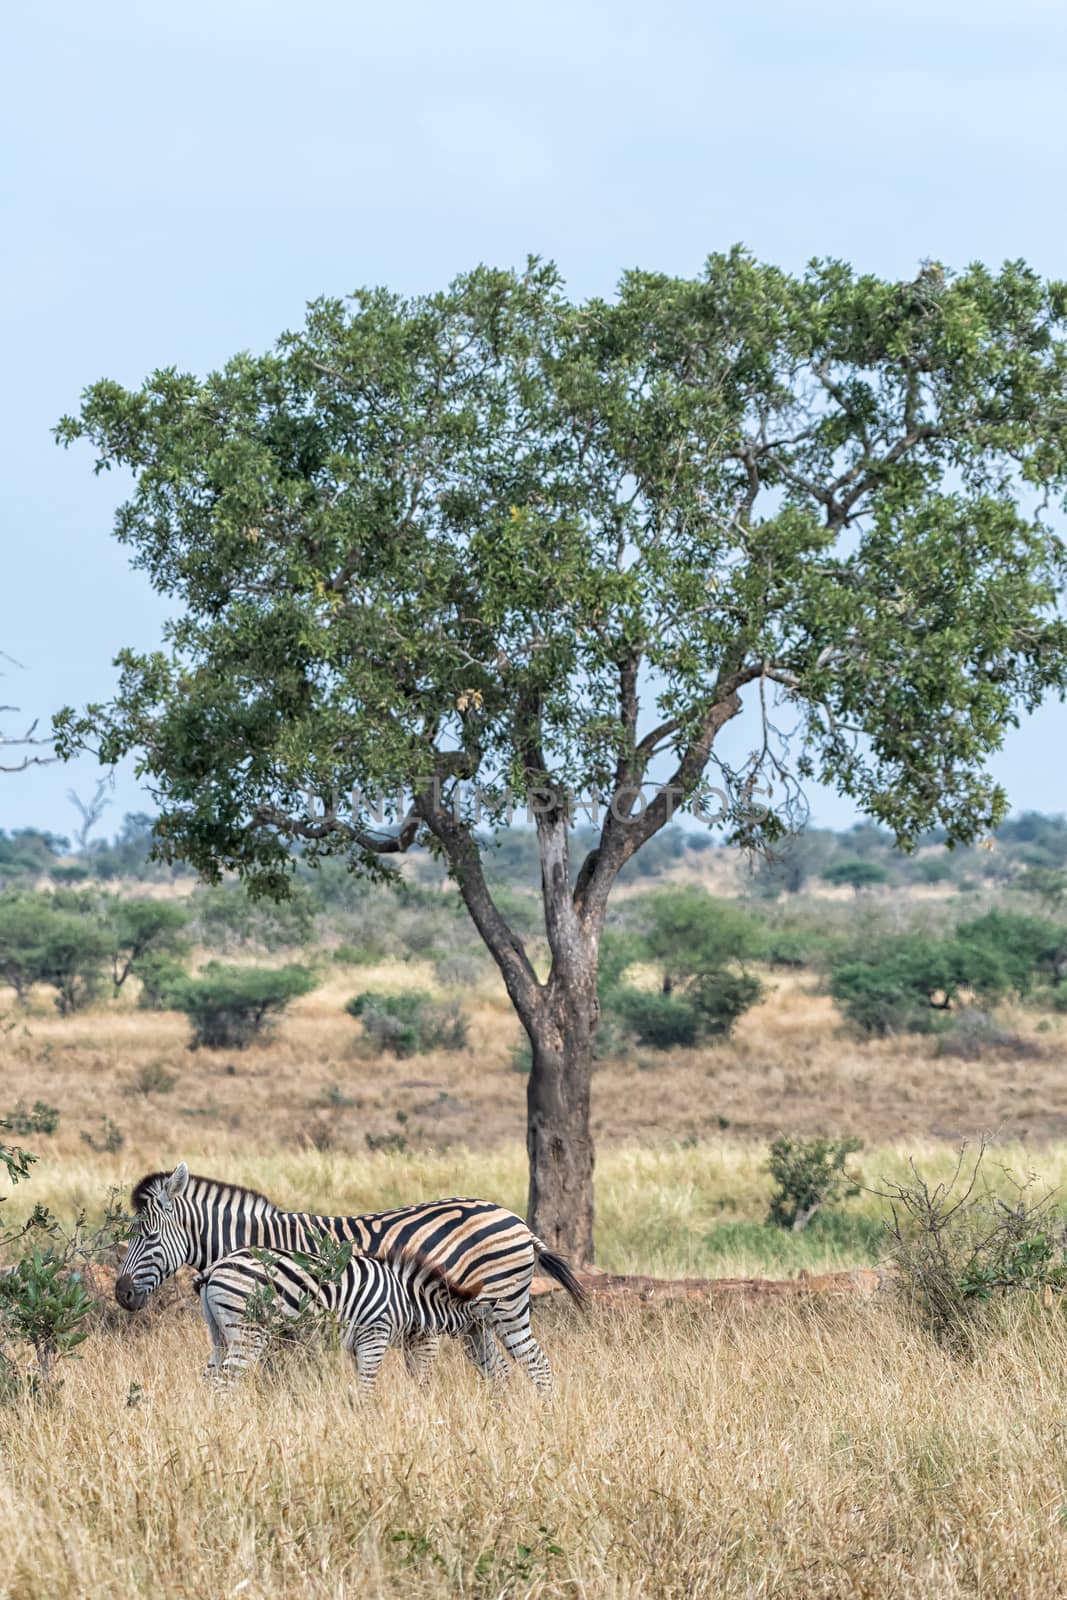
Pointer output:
179, 181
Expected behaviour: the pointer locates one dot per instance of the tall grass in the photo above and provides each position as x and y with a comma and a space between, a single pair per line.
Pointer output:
689, 1452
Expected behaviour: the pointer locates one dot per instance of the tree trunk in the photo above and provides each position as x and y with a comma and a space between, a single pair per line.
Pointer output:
558, 1138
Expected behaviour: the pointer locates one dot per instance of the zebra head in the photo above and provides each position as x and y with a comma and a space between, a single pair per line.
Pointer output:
159, 1244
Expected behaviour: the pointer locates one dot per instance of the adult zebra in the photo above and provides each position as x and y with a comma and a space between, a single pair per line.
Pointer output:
481, 1252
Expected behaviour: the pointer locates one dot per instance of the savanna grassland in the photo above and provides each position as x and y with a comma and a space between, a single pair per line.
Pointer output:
810, 1447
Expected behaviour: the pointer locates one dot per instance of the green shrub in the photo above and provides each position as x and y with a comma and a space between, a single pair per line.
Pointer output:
160, 976
15, 1161
706, 1008
619, 949
956, 1244
228, 1007
152, 1077
145, 933
27, 853
44, 1304
1047, 883
809, 1175
73, 872
408, 1024
972, 1033
111, 1138
227, 918
1005, 952
462, 969
787, 949
900, 985
933, 869
692, 932
56, 940
719, 998
42, 1119
659, 1020
522, 1057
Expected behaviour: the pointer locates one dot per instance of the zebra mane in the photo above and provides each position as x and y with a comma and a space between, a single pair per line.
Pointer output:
142, 1191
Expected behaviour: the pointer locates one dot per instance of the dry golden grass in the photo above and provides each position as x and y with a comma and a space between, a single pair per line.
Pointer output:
788, 1067
768, 1452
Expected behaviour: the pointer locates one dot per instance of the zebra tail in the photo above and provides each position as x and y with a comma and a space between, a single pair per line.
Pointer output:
559, 1268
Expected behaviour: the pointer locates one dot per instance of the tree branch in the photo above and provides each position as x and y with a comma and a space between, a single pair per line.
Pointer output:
504, 945
623, 835
381, 844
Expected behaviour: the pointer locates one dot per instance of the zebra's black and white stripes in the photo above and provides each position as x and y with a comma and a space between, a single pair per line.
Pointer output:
375, 1303
481, 1252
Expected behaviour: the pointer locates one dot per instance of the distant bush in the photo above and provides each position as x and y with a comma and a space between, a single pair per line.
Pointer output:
522, 1057
973, 1033
410, 1023
1005, 952
809, 1175
932, 869
227, 918
658, 1020
145, 932
706, 1008
73, 872
691, 932
160, 976
856, 874
41, 1118
787, 949
230, 1006
57, 940
793, 861
110, 1140
720, 998
152, 1077
460, 970
1046, 883
127, 855
620, 948
907, 983
899, 985
356, 955
28, 853
1036, 840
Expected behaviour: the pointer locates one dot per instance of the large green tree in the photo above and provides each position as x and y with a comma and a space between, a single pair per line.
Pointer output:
494, 537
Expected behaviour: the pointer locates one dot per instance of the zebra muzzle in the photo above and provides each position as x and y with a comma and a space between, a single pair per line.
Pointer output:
129, 1297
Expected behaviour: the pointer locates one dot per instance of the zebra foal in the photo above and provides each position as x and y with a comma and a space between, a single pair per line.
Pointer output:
376, 1304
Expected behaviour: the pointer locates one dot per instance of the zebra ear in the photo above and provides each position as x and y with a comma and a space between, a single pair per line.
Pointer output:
175, 1184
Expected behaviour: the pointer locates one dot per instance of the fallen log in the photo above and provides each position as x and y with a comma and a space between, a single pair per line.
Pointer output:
864, 1282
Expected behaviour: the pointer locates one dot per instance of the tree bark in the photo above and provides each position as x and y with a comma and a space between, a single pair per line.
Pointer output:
559, 1142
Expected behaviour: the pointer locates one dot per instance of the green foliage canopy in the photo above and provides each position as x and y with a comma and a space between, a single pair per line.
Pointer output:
229, 1006
690, 932
449, 536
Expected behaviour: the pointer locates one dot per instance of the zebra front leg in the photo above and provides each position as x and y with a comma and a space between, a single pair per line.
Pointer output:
244, 1349
420, 1353
214, 1328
